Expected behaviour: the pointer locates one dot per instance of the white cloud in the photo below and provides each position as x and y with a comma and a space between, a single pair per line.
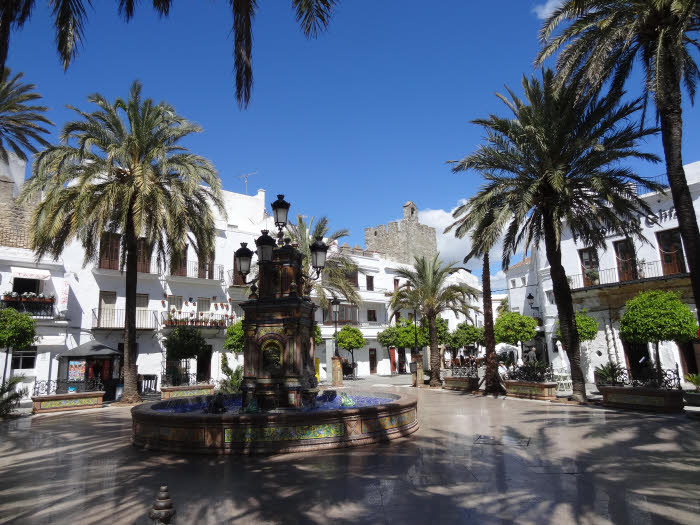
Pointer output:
542, 11
498, 282
450, 247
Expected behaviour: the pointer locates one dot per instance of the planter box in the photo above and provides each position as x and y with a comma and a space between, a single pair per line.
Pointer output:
656, 399
692, 398
63, 402
464, 384
531, 390
174, 392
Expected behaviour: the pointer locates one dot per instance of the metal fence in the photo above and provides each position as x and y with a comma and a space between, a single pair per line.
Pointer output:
197, 270
669, 378
37, 308
200, 319
63, 386
110, 318
471, 370
639, 271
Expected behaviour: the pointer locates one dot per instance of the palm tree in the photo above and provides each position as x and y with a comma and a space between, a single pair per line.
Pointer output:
21, 124
484, 237
601, 40
425, 288
554, 165
122, 169
70, 16
334, 281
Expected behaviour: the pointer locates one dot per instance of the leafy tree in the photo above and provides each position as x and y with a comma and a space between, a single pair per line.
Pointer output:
21, 122
17, 330
70, 17
388, 337
513, 328
601, 40
555, 164
317, 335
654, 316
426, 288
185, 342
502, 306
231, 383
586, 326
466, 334
122, 168
334, 281
235, 338
350, 338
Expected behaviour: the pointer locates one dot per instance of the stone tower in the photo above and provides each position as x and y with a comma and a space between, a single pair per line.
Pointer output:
405, 240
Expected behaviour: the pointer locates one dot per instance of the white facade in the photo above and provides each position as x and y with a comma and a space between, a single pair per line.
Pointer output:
602, 282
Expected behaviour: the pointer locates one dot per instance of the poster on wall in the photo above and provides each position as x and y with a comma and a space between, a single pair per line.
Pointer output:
76, 370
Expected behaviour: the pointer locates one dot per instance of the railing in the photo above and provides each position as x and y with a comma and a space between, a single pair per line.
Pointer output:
42, 308
197, 270
63, 386
150, 267
202, 319
470, 370
106, 318
647, 377
536, 372
659, 179
183, 379
642, 270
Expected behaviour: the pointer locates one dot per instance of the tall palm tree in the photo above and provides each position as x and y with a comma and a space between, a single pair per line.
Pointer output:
555, 165
121, 169
483, 236
70, 17
600, 40
334, 280
21, 123
426, 287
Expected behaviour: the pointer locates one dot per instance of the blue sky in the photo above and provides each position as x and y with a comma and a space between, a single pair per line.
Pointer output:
350, 125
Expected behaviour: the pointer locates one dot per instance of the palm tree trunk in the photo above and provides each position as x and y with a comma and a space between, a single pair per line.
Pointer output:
131, 394
670, 113
493, 384
565, 308
434, 353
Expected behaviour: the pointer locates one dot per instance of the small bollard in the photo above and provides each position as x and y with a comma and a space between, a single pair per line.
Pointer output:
162, 511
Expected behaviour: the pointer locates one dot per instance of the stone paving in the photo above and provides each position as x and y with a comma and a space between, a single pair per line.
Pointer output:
474, 460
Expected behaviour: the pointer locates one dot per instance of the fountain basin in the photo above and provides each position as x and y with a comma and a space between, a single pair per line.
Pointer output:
156, 428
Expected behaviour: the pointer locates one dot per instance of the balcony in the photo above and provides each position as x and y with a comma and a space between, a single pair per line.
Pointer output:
199, 319
110, 266
196, 270
113, 319
38, 308
633, 273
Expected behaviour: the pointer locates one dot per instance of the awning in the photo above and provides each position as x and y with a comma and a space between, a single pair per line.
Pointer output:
30, 273
90, 349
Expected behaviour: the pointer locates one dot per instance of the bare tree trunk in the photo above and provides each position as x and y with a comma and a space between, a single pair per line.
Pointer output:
131, 394
493, 383
671, 117
565, 308
434, 353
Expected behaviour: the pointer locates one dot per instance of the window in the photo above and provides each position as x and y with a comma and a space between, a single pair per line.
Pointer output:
512, 283
347, 314
24, 359
396, 284
174, 301
21, 286
550, 296
352, 278
107, 317
370, 283
589, 265
671, 251
142, 319
522, 281
372, 316
144, 257
109, 251
203, 304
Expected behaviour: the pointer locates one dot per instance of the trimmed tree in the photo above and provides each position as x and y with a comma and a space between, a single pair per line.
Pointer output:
235, 340
350, 339
17, 330
586, 326
655, 316
513, 328
184, 342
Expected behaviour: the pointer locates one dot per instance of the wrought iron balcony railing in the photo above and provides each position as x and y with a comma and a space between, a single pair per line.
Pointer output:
150, 267
108, 318
201, 319
197, 270
39, 308
629, 273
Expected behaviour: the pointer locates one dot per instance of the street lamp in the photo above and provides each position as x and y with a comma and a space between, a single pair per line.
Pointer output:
531, 302
415, 334
335, 308
280, 209
243, 257
318, 255
265, 245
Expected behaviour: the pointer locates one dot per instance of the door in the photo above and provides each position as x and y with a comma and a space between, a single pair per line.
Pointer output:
106, 317
142, 320
109, 251
689, 352
626, 260
638, 361
204, 365
671, 251
402, 361
589, 266
143, 263
392, 359
372, 360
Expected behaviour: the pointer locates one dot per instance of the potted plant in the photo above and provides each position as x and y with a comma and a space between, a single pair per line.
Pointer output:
692, 398
7, 296
532, 380
593, 277
608, 374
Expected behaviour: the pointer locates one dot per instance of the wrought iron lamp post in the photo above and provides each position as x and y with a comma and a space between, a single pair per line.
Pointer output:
531, 301
335, 308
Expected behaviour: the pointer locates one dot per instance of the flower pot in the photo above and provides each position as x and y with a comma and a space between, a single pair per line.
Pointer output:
642, 398
691, 399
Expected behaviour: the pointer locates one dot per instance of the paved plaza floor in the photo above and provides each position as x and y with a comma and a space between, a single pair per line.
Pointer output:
474, 460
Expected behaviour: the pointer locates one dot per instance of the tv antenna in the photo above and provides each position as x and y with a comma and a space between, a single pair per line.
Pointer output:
245, 179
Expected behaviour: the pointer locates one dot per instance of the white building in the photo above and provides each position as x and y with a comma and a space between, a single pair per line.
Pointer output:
89, 300
603, 281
